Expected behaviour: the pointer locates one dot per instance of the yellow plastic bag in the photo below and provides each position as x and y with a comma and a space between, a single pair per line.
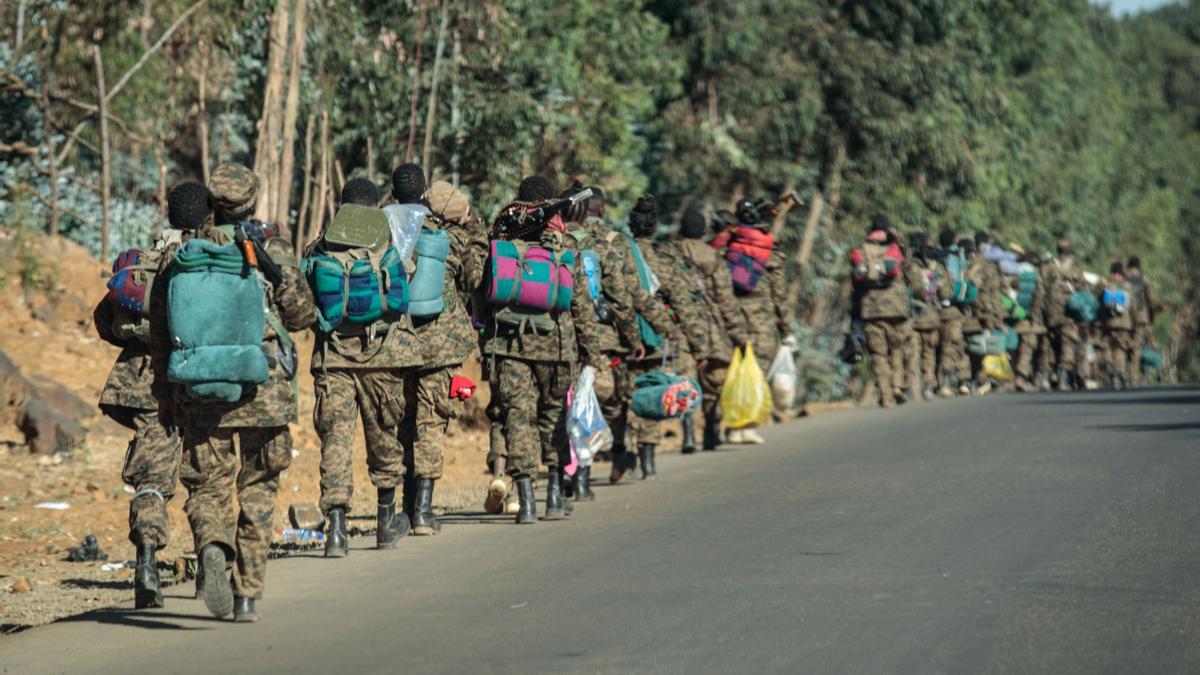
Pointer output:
998, 368
745, 396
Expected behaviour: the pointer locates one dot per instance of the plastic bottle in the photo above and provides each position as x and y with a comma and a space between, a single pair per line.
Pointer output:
296, 536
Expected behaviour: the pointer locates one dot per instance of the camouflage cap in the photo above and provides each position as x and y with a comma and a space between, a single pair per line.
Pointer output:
233, 188
446, 202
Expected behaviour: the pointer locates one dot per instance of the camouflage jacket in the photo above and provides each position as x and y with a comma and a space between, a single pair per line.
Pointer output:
575, 339
674, 305
766, 312
1144, 309
929, 288
268, 405
949, 313
1120, 321
130, 381
988, 310
1063, 277
445, 340
620, 285
712, 291
888, 302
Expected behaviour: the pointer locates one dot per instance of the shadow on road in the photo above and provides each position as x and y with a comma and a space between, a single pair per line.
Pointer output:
1165, 396
1181, 426
140, 618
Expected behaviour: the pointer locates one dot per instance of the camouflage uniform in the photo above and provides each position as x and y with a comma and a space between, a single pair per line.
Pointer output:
623, 291
928, 288
1030, 329
724, 324
1143, 319
953, 364
1064, 277
766, 314
241, 446
988, 311
1118, 331
152, 457
885, 312
531, 373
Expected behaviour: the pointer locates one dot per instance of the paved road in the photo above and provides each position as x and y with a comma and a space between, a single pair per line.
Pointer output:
1047, 533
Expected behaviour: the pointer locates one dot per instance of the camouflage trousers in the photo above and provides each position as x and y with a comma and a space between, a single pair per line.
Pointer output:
887, 340
1026, 351
615, 408
377, 397
1069, 349
152, 468
246, 462
955, 365
712, 378
1120, 353
925, 350
427, 414
533, 404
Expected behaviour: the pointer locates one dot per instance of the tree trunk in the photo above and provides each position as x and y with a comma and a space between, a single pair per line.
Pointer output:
416, 87
815, 211
202, 115
433, 93
370, 158
269, 123
48, 132
302, 230
160, 158
19, 37
456, 111
291, 111
318, 213
105, 167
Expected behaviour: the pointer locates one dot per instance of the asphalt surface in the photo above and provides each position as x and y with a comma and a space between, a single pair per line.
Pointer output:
1038, 533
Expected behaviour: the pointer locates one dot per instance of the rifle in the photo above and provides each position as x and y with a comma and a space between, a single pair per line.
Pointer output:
249, 238
522, 218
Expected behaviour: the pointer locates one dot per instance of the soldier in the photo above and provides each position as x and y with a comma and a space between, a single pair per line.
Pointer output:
1064, 278
152, 459
358, 374
235, 436
1118, 309
662, 279
1031, 297
723, 321
1145, 306
760, 287
954, 366
987, 314
532, 350
877, 271
619, 300
434, 394
929, 289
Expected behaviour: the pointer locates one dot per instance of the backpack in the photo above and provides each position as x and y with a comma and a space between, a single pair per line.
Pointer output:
1115, 301
532, 284
129, 292
877, 265
1082, 306
658, 395
357, 287
1012, 306
748, 254
963, 291
1027, 281
216, 311
649, 281
988, 343
428, 281
593, 268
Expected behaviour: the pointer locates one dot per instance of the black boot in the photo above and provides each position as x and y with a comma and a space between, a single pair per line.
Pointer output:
689, 436
424, 523
712, 433
620, 464
245, 610
212, 582
527, 513
337, 541
147, 591
646, 456
390, 527
583, 484
563, 481
409, 498
554, 498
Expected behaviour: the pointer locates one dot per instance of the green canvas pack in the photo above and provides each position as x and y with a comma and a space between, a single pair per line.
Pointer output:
357, 226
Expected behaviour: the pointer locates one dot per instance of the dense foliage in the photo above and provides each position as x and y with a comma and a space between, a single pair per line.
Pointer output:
1029, 118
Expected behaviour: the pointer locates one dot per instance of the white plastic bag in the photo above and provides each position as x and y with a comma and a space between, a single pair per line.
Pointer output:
586, 428
782, 376
405, 221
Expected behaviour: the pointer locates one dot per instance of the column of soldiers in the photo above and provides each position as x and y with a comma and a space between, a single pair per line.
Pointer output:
398, 298
931, 315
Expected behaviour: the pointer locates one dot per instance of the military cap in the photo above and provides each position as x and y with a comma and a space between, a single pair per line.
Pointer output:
233, 188
447, 202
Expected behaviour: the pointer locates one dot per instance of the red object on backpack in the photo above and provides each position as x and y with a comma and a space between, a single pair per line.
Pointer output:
462, 388
756, 243
721, 241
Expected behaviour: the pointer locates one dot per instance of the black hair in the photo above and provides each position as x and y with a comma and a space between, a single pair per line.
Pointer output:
596, 203
643, 219
946, 238
693, 225
747, 212
881, 224
967, 245
188, 206
408, 184
360, 191
917, 241
982, 238
535, 189
1134, 263
577, 212
1116, 268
